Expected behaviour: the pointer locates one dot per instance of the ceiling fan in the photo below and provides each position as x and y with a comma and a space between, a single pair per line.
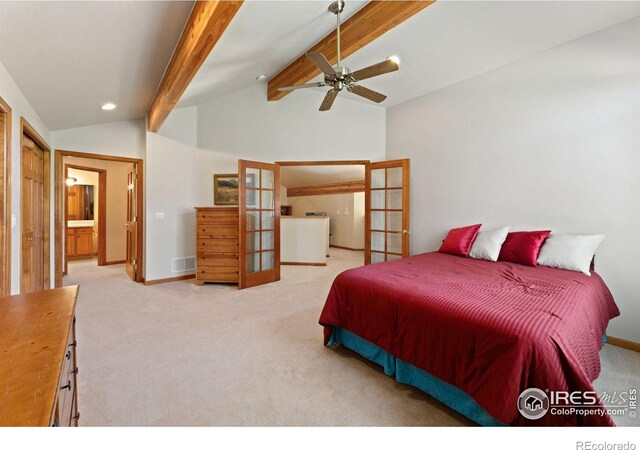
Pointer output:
339, 77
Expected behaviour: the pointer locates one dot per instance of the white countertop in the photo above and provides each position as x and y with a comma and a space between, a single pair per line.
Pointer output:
79, 223
304, 217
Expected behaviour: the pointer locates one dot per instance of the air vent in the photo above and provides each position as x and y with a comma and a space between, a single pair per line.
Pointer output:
183, 264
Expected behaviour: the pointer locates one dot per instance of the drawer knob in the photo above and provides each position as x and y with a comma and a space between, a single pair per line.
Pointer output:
74, 343
75, 371
68, 355
66, 386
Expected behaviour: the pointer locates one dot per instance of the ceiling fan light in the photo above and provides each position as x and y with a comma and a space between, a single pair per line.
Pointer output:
394, 58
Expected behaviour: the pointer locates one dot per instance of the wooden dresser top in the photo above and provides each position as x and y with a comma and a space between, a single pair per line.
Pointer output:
216, 208
34, 329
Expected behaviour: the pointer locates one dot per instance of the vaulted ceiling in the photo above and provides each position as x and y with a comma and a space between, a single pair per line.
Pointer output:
444, 44
69, 58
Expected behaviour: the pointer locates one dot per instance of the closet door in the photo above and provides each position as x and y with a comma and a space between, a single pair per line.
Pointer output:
387, 218
259, 228
32, 274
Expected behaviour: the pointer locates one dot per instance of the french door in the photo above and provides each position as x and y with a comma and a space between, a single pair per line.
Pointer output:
132, 224
387, 218
259, 229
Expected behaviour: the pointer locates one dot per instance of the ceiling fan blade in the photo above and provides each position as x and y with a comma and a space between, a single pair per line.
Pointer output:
375, 70
366, 93
301, 86
328, 100
321, 63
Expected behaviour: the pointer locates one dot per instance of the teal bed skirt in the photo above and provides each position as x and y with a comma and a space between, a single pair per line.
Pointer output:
408, 374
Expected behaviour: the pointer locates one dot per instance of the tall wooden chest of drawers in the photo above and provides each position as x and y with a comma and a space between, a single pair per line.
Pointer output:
217, 245
38, 368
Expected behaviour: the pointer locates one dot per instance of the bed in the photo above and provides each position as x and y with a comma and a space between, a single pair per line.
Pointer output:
475, 333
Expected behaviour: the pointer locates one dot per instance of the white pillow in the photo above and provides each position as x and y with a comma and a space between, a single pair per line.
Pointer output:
488, 244
570, 251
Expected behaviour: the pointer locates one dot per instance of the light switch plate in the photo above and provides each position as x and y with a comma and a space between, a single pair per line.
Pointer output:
159, 216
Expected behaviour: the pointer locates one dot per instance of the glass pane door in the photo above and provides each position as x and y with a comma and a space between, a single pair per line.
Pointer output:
259, 210
387, 211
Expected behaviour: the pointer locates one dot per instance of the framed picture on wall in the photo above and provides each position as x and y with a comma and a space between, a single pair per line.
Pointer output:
225, 189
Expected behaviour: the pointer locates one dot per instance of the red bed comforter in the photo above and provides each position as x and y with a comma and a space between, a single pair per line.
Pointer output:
492, 329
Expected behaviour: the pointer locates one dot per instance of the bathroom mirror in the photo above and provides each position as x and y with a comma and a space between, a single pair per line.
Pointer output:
80, 202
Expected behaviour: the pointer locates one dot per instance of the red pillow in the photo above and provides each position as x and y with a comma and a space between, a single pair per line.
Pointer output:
523, 247
459, 240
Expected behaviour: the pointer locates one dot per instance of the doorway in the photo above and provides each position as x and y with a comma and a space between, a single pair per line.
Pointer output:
324, 207
85, 214
5, 198
35, 210
119, 227
386, 188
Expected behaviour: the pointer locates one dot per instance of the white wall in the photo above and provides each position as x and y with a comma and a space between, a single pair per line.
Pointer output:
246, 125
182, 158
125, 138
548, 142
20, 107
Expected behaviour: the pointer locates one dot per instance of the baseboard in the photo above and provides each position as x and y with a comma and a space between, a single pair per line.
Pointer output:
169, 280
301, 264
348, 248
623, 343
111, 263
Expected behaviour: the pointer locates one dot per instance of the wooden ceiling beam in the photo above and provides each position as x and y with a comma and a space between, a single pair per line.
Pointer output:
370, 22
207, 23
345, 187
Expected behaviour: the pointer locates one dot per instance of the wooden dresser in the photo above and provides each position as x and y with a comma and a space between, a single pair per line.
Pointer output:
38, 359
217, 245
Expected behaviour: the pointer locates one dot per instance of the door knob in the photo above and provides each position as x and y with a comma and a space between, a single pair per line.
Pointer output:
405, 231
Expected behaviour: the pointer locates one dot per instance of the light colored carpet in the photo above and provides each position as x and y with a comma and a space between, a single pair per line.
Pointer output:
181, 354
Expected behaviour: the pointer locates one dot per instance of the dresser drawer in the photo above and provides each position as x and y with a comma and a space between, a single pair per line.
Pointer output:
205, 274
67, 384
217, 260
217, 245
225, 231
215, 217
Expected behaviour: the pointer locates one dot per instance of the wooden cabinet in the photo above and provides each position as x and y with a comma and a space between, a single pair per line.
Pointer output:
217, 245
38, 370
79, 242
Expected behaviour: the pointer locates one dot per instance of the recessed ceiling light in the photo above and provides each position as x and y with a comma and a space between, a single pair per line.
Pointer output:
108, 107
261, 77
394, 58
